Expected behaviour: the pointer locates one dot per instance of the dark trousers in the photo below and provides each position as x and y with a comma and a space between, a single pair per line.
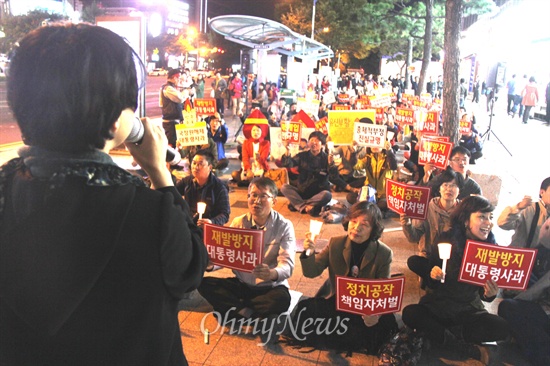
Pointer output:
225, 293
510, 103
530, 326
220, 107
476, 326
526, 112
170, 131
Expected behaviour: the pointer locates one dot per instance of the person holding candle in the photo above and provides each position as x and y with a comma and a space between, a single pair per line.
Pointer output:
452, 313
265, 291
203, 186
358, 254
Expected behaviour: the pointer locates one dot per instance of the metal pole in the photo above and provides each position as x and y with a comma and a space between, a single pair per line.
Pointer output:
313, 20
205, 15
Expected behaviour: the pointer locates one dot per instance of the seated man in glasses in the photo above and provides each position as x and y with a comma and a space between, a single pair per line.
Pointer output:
265, 291
459, 162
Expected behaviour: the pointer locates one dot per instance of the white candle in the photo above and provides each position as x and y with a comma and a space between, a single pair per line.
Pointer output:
201, 207
315, 228
444, 253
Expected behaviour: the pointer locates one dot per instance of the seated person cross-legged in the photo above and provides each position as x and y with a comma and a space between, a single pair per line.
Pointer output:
358, 254
452, 314
311, 190
265, 291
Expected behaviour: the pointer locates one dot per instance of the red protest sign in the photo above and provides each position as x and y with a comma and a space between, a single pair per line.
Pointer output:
369, 297
321, 125
508, 267
408, 199
434, 152
429, 124
464, 127
291, 132
340, 107
205, 107
240, 249
379, 114
404, 116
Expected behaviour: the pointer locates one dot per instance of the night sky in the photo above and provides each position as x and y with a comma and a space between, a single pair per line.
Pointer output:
259, 8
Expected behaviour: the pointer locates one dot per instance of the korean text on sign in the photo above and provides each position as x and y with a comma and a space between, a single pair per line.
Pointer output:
366, 134
291, 132
405, 116
429, 123
205, 107
464, 127
369, 297
434, 152
508, 267
408, 199
191, 134
240, 249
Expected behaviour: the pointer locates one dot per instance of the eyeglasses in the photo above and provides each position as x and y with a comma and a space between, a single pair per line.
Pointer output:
449, 185
262, 197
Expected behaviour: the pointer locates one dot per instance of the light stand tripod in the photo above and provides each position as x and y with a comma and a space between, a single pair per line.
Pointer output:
485, 135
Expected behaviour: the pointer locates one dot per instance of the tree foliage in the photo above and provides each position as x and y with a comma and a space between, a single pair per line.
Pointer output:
16, 27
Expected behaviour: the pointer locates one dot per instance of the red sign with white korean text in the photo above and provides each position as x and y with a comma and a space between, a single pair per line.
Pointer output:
369, 297
340, 107
379, 114
508, 267
464, 127
321, 125
205, 107
404, 116
408, 199
429, 123
434, 152
291, 132
240, 249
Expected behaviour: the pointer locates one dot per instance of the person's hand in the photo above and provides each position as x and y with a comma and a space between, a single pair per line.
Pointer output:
490, 289
525, 202
370, 320
203, 221
330, 159
308, 243
436, 273
263, 272
249, 174
151, 154
387, 145
428, 170
405, 220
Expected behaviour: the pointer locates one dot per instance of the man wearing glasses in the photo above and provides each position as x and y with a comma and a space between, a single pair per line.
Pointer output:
264, 292
203, 186
459, 162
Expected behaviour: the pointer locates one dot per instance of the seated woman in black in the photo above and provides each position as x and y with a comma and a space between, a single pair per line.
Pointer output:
452, 313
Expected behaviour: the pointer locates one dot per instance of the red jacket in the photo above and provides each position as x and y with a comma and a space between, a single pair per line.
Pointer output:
248, 153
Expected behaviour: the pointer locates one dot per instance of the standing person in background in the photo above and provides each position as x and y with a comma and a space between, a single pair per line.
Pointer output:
530, 98
92, 262
236, 90
171, 102
476, 90
520, 86
439, 84
548, 104
510, 102
219, 85
462, 92
199, 89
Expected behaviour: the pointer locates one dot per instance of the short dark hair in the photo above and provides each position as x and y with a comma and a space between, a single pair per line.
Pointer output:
468, 206
460, 150
544, 185
371, 210
319, 136
207, 155
265, 182
448, 175
69, 83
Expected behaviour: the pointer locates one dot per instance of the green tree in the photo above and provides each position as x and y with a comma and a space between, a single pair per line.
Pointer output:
16, 27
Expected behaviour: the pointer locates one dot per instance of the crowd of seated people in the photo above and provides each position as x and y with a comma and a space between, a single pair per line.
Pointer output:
450, 314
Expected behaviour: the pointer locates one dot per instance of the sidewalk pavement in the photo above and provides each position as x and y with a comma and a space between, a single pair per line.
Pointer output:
520, 174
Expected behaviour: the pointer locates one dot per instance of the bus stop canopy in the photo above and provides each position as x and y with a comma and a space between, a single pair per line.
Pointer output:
265, 34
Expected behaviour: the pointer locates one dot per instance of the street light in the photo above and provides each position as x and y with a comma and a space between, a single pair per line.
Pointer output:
313, 20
